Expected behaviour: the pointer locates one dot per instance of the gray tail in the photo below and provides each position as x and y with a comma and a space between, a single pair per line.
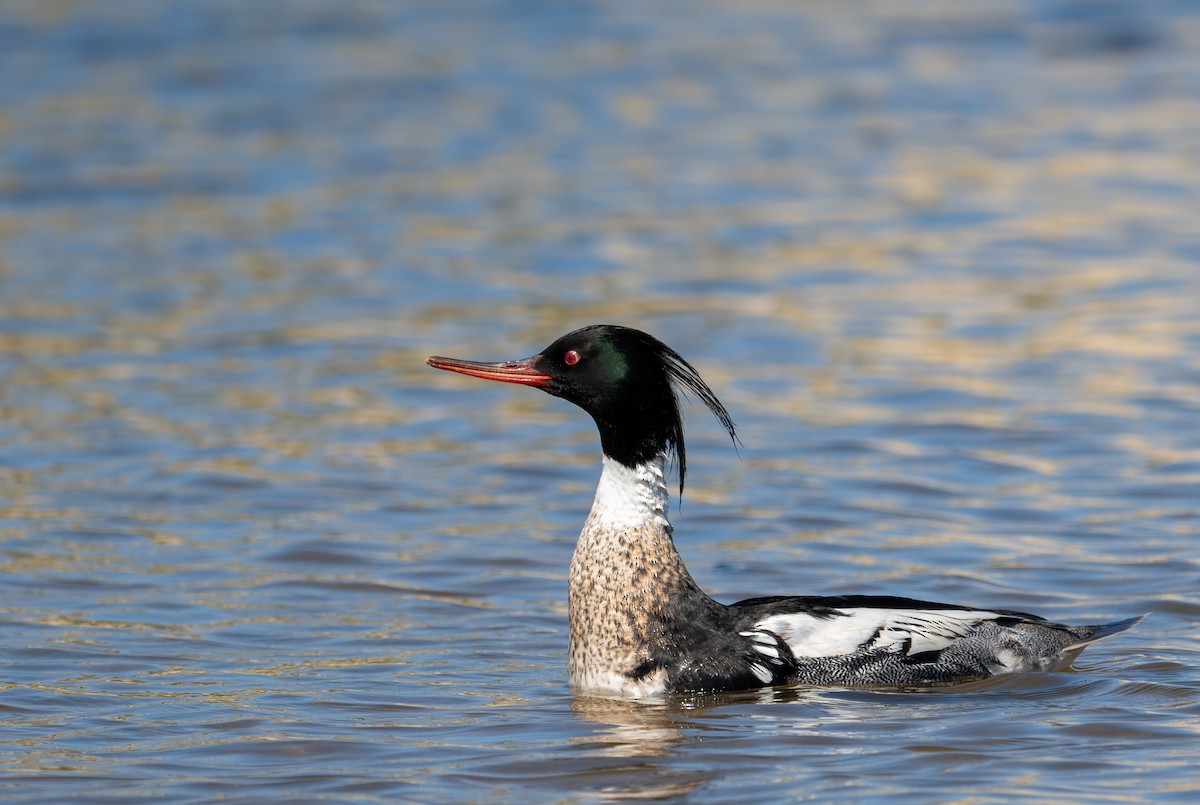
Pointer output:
1093, 633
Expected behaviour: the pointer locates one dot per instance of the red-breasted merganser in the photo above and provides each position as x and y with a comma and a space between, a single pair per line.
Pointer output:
640, 626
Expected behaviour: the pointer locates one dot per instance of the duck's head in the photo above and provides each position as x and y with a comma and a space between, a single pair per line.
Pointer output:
626, 379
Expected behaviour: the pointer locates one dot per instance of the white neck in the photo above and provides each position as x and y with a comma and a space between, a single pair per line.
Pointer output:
631, 497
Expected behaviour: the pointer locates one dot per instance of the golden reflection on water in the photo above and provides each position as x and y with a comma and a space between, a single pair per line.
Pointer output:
942, 274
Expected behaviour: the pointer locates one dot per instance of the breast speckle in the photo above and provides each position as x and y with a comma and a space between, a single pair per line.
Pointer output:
626, 578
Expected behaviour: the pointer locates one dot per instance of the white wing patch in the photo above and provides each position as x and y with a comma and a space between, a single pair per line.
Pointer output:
767, 645
910, 631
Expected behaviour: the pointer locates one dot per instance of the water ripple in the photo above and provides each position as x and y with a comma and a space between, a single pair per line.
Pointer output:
938, 261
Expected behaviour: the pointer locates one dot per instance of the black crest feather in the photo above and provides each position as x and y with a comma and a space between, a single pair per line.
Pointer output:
644, 397
685, 377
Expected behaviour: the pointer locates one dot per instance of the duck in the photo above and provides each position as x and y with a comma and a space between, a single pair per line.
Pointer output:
640, 627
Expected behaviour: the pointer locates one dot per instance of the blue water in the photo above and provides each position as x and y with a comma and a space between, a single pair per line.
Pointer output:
939, 261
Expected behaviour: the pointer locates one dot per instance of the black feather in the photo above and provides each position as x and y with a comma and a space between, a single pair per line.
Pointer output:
630, 382
685, 377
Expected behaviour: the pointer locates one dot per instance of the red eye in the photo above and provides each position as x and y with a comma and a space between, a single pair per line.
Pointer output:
571, 358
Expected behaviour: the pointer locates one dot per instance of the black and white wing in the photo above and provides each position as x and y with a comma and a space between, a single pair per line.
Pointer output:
871, 629
895, 641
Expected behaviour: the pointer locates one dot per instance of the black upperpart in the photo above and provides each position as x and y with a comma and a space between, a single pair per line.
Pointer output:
626, 379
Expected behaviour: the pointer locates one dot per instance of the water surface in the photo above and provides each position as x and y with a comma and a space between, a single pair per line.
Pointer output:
940, 262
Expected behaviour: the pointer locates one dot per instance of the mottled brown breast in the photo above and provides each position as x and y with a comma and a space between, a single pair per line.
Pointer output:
622, 583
